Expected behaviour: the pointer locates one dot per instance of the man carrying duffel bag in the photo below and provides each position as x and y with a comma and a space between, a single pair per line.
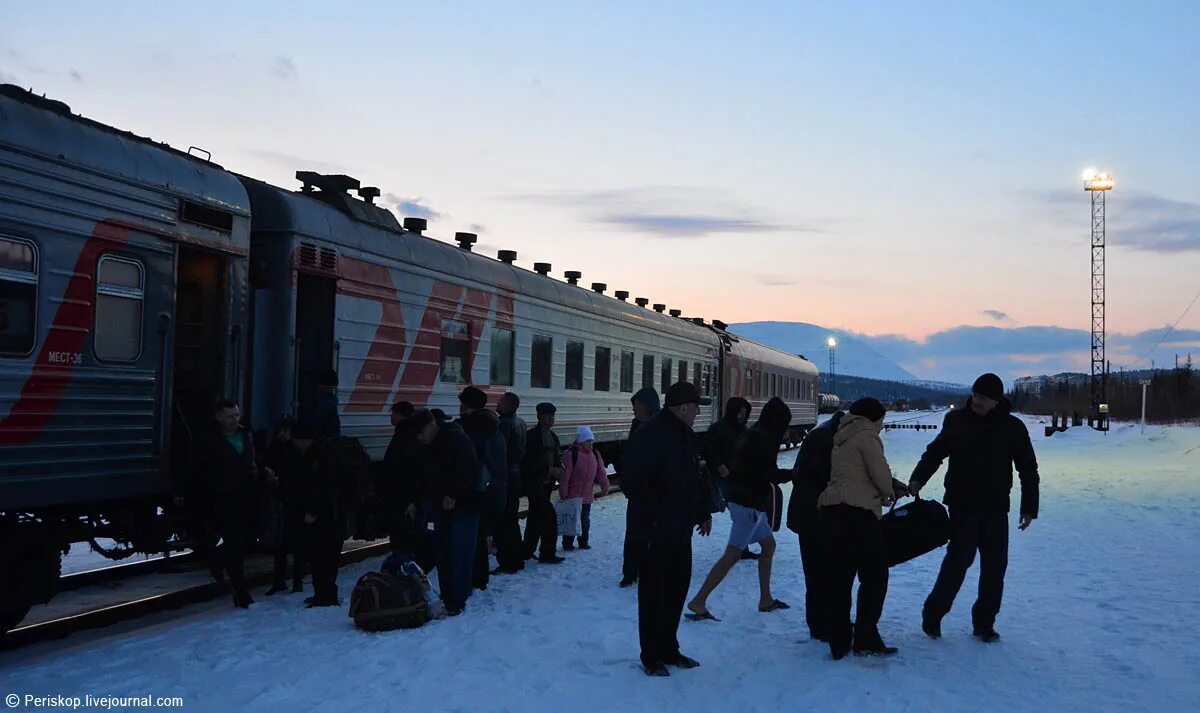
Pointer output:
983, 440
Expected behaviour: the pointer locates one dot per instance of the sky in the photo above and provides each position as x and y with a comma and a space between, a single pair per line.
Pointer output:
907, 171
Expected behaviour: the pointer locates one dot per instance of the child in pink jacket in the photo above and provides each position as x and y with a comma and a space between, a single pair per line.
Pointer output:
582, 468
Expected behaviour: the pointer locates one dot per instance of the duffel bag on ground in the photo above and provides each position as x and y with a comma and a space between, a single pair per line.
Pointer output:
912, 530
382, 601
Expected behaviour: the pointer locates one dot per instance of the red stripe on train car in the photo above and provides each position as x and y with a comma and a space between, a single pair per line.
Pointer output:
386, 353
43, 392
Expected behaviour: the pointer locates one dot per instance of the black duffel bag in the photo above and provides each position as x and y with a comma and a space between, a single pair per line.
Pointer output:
912, 530
382, 601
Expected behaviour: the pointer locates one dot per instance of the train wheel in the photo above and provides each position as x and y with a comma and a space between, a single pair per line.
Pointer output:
29, 571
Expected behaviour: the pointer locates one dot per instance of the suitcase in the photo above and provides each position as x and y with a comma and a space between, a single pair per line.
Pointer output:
914, 529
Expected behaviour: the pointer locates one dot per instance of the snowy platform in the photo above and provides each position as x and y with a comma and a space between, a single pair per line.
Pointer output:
1101, 613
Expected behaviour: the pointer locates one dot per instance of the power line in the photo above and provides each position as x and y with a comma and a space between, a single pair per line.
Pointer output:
1168, 332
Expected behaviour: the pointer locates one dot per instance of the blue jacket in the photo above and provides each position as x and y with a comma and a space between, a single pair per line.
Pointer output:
483, 428
661, 467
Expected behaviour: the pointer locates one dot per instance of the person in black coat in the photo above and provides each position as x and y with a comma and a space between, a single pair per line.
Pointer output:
752, 476
543, 467
452, 494
510, 550
661, 458
645, 405
719, 445
483, 428
284, 470
983, 441
810, 475
224, 485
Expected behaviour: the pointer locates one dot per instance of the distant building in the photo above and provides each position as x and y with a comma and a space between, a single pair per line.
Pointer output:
1030, 385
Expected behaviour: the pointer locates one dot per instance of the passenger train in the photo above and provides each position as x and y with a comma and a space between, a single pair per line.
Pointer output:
139, 282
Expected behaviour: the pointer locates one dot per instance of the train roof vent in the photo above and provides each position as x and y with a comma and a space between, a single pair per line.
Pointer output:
720, 325
368, 194
329, 259
416, 225
660, 308
573, 276
698, 320
599, 287
308, 255
334, 189
622, 295
466, 240
507, 256
676, 312
197, 214
541, 268
642, 301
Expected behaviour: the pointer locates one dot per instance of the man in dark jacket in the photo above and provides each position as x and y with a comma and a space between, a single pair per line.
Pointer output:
483, 428
983, 441
452, 495
398, 482
542, 468
326, 509
809, 477
284, 479
754, 473
510, 550
718, 446
224, 487
645, 406
661, 458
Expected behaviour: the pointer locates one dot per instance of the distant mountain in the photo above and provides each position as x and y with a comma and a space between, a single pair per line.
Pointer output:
854, 357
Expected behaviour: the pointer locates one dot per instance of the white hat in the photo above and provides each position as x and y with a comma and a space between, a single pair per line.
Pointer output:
584, 434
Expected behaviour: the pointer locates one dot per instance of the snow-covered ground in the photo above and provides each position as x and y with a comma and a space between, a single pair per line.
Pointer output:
1102, 612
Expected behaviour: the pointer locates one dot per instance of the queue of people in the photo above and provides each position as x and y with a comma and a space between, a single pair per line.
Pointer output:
451, 491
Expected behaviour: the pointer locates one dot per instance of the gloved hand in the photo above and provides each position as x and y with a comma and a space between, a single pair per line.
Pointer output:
914, 488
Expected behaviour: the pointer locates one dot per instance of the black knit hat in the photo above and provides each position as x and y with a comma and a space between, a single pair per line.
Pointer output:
472, 397
684, 393
989, 385
546, 407
868, 408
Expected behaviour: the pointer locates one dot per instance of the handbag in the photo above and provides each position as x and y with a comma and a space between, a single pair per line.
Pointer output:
568, 513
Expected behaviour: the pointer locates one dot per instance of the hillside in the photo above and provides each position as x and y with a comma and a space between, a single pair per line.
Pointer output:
854, 356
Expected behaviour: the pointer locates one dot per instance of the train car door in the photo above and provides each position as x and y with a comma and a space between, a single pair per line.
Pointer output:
200, 355
314, 347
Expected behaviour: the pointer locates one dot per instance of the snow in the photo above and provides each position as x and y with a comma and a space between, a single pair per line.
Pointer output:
1102, 611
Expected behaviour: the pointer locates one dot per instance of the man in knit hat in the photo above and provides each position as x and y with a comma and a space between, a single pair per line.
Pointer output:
983, 441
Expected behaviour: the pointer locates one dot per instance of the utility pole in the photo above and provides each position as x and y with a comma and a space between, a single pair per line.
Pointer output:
1145, 383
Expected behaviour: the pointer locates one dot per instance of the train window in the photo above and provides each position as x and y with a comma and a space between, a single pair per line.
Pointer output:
682, 370
648, 371
603, 367
540, 358
574, 365
117, 333
707, 379
627, 372
696, 376
665, 381
18, 297
750, 384
762, 386
502, 357
774, 386
456, 352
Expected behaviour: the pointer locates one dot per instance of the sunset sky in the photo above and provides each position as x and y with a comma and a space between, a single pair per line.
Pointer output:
898, 170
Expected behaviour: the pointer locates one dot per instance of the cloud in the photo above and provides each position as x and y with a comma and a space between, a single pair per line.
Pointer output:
6, 78
997, 315
664, 211
284, 67
477, 228
413, 207
1147, 222
776, 281
76, 75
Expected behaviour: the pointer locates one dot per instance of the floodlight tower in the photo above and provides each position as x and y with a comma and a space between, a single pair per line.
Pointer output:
1098, 184
832, 365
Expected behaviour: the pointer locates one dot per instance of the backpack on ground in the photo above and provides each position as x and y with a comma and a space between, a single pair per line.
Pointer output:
382, 601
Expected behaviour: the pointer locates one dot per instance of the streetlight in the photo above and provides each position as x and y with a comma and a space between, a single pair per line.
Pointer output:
1098, 184
832, 364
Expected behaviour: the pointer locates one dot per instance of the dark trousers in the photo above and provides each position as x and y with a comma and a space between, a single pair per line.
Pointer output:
457, 532
325, 549
637, 541
971, 532
482, 567
280, 568
814, 557
229, 521
541, 524
585, 526
662, 591
854, 542
510, 550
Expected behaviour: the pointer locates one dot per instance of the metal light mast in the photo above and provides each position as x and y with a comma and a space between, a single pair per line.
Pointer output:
832, 365
1098, 184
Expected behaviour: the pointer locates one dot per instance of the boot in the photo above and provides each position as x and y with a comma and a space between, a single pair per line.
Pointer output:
276, 588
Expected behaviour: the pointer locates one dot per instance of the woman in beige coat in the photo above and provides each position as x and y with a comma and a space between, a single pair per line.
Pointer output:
860, 485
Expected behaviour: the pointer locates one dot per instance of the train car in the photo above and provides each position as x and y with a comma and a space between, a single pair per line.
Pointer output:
122, 274
829, 403
400, 316
138, 283
758, 373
